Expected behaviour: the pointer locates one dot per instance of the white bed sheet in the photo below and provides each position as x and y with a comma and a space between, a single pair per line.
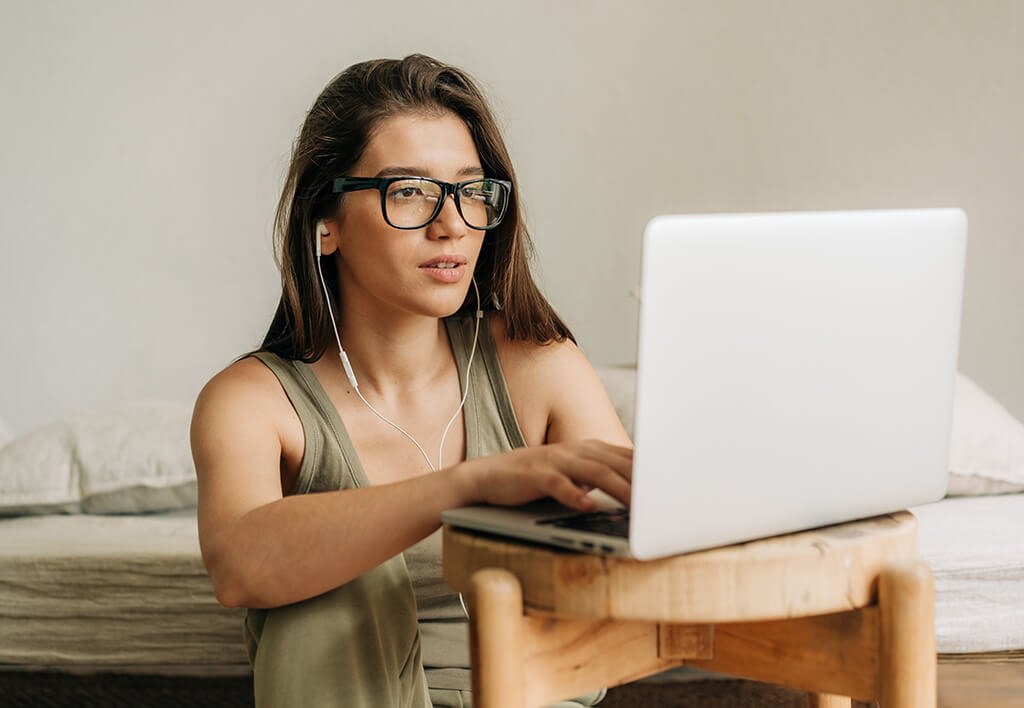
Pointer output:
975, 547
112, 593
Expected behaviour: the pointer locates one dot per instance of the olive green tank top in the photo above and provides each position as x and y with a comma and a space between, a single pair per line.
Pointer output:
397, 633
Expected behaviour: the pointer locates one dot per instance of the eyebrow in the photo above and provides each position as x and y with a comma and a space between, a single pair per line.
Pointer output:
398, 171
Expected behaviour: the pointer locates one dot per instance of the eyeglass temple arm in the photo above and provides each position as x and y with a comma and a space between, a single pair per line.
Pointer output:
352, 184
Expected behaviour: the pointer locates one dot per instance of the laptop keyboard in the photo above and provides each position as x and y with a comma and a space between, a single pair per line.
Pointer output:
610, 523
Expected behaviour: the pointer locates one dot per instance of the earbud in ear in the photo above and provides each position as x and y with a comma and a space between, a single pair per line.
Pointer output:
321, 231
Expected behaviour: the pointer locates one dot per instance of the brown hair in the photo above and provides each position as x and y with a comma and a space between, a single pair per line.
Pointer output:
333, 137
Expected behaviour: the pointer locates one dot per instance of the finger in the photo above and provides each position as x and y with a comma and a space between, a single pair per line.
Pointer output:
620, 461
597, 474
616, 460
565, 491
620, 449
609, 448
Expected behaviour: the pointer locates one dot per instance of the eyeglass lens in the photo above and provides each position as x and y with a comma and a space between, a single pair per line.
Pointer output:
412, 202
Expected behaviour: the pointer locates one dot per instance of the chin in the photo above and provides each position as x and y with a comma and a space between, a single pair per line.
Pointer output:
438, 302
439, 307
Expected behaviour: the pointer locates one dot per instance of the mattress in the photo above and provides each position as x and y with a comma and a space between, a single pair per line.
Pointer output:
975, 547
128, 594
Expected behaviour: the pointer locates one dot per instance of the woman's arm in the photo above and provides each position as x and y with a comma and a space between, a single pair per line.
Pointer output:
265, 550
262, 549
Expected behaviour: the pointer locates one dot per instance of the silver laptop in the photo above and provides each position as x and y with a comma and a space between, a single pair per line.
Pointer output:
794, 370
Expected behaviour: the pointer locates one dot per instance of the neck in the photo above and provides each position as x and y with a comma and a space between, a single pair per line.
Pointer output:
391, 355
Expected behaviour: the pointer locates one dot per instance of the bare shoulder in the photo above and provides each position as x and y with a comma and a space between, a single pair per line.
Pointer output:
241, 425
557, 389
245, 384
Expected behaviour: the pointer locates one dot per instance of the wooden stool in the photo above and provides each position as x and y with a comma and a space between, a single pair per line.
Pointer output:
841, 611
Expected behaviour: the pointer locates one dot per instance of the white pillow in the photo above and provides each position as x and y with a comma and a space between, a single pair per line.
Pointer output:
986, 453
134, 458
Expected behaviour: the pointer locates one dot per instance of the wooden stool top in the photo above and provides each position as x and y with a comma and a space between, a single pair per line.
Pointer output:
820, 571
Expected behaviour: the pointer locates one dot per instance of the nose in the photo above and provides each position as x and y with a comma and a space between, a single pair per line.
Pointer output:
448, 223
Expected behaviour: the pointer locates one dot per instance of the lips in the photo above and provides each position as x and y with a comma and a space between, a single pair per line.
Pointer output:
447, 259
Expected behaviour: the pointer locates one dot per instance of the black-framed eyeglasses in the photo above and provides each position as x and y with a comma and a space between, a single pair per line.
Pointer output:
413, 202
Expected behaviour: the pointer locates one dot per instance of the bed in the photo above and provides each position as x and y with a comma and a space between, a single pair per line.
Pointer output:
124, 593
117, 610
104, 599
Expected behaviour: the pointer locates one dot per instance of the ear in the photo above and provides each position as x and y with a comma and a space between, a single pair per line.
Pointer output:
326, 242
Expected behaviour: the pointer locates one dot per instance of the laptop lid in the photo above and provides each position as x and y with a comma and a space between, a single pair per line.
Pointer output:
793, 370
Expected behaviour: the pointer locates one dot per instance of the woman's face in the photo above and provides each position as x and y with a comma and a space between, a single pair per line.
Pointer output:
384, 267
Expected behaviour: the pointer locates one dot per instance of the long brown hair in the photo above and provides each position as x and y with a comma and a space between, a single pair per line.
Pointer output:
333, 137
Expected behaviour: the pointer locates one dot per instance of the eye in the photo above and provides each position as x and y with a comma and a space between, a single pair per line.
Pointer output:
413, 191
474, 191
407, 192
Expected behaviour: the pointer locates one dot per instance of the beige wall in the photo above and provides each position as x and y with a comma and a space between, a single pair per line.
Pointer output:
145, 144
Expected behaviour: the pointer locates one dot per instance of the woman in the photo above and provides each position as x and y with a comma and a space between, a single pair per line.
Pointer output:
316, 509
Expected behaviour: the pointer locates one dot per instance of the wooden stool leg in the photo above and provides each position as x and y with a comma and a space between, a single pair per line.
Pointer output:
827, 700
496, 639
907, 659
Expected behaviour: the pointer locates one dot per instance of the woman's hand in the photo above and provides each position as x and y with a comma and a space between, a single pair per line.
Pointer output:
565, 471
